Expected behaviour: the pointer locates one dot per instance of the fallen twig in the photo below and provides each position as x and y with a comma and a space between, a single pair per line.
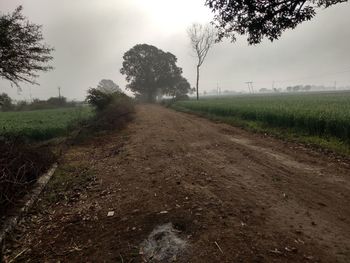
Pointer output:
276, 252
18, 255
216, 243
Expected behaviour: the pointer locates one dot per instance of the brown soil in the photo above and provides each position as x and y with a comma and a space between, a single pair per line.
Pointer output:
233, 196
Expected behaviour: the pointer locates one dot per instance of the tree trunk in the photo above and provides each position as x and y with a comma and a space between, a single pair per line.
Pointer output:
197, 84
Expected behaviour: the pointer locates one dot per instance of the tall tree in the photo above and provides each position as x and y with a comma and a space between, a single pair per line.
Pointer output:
150, 71
202, 39
22, 52
108, 86
259, 19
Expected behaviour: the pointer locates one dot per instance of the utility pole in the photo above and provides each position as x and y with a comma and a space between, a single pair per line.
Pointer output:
335, 85
250, 86
59, 92
30, 94
218, 89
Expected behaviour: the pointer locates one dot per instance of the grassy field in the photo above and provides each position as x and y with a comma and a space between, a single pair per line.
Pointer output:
321, 118
41, 124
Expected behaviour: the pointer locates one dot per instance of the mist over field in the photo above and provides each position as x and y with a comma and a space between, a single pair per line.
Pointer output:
90, 38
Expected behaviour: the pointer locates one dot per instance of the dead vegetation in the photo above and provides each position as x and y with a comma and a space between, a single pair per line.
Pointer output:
163, 245
67, 184
20, 166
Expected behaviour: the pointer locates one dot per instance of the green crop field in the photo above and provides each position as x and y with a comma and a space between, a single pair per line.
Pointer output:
42, 124
323, 115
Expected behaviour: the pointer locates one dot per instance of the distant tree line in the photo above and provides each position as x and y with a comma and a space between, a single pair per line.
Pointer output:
299, 88
302, 88
7, 104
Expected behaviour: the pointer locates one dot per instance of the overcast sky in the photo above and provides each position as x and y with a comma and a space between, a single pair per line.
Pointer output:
91, 36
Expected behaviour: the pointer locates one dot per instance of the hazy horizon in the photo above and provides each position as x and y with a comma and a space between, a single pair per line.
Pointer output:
90, 38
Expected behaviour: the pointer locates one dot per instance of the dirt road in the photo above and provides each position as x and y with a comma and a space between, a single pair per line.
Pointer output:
232, 196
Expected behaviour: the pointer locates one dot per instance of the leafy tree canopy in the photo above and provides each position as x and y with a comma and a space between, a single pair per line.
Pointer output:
106, 94
108, 86
5, 102
262, 18
22, 52
151, 72
180, 89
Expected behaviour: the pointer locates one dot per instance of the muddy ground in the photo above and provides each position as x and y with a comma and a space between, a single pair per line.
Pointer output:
230, 195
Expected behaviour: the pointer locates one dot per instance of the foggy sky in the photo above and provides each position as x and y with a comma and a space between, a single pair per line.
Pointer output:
91, 36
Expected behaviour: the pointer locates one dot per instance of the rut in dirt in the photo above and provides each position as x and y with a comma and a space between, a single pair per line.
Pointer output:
227, 194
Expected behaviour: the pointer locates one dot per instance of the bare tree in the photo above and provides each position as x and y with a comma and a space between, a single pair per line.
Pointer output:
202, 39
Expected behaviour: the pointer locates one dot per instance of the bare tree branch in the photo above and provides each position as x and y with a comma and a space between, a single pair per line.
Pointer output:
22, 52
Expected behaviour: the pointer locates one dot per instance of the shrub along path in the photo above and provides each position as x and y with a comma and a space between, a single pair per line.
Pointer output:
231, 195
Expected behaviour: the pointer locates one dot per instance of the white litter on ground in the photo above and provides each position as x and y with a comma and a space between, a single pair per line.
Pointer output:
110, 214
163, 245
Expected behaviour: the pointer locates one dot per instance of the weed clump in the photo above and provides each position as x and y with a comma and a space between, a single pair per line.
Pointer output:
113, 109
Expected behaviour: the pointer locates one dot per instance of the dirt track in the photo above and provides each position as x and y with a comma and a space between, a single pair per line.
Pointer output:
255, 198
